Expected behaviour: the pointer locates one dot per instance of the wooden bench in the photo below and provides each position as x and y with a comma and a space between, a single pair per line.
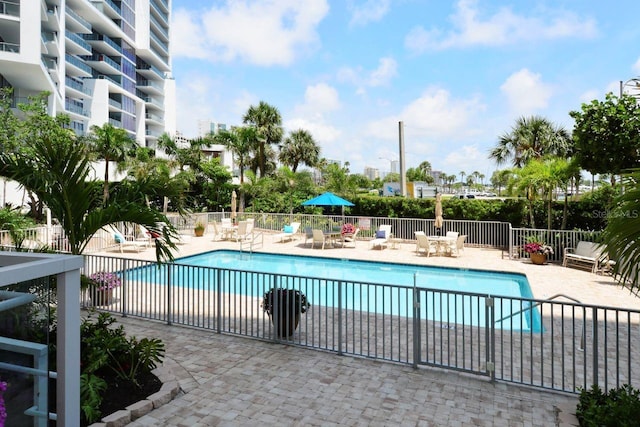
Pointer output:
586, 255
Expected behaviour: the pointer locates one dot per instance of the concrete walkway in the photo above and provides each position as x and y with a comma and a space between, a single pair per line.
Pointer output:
233, 381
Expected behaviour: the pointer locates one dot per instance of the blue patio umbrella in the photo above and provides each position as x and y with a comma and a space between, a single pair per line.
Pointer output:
327, 199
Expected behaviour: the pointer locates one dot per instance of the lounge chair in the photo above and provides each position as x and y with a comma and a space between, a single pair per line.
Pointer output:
586, 255
288, 232
429, 246
129, 241
350, 238
382, 236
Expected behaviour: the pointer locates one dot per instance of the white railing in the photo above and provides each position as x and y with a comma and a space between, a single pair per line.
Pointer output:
493, 234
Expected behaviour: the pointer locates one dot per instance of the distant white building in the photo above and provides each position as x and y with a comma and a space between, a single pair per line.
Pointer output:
371, 173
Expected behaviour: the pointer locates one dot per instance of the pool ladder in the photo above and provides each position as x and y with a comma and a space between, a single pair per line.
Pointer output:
256, 239
556, 296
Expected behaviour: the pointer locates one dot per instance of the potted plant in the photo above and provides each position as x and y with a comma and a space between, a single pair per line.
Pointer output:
101, 286
284, 306
198, 229
538, 252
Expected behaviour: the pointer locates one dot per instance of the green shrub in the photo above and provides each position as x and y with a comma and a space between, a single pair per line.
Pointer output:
105, 352
619, 407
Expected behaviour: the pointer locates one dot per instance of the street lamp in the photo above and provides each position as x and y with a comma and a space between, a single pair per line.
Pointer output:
636, 85
390, 163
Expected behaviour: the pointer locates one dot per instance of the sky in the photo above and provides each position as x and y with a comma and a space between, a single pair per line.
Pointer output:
457, 74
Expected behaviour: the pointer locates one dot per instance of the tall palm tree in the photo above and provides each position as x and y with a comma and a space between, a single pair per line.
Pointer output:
531, 138
268, 123
239, 140
462, 175
299, 147
110, 143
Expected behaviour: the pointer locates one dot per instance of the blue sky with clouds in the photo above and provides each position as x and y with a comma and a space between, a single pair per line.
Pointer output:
457, 73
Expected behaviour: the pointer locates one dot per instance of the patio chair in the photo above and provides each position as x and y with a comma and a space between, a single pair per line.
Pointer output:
456, 248
308, 235
382, 236
288, 232
430, 247
242, 232
217, 231
318, 237
349, 238
128, 241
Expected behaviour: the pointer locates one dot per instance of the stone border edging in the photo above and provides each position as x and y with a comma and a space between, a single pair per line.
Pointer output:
169, 390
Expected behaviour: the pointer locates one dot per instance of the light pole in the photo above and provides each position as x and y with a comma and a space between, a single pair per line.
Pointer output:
390, 163
636, 86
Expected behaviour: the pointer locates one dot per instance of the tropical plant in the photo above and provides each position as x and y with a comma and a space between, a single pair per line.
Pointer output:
106, 351
607, 135
622, 234
538, 248
268, 123
531, 138
618, 407
57, 169
104, 281
299, 148
289, 300
110, 143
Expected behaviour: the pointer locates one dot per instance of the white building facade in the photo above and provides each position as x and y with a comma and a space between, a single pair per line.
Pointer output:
103, 61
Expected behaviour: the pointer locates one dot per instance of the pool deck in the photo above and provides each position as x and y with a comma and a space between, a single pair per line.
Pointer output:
233, 381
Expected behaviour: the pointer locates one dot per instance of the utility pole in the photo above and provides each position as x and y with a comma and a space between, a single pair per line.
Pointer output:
403, 179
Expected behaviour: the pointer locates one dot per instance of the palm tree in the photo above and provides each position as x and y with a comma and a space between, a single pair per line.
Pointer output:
110, 143
239, 141
63, 183
462, 175
621, 237
299, 147
268, 124
531, 138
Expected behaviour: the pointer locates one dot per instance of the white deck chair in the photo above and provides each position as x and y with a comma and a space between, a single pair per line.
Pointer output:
350, 238
288, 232
242, 232
381, 242
429, 246
318, 237
124, 241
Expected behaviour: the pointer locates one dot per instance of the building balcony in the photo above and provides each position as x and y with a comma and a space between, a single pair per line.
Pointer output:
108, 7
153, 119
150, 87
149, 71
11, 8
153, 102
75, 109
77, 86
161, 15
102, 64
103, 43
76, 44
161, 4
76, 67
161, 45
9, 47
160, 29
76, 23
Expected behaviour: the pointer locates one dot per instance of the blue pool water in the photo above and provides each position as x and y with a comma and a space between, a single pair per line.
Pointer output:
358, 294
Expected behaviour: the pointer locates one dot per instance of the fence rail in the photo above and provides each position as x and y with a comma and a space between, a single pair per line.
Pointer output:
492, 234
549, 344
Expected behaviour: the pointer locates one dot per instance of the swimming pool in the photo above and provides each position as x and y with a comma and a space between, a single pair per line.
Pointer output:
448, 294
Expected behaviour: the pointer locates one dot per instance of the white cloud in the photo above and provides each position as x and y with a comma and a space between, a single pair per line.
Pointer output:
502, 28
467, 158
526, 92
387, 69
263, 33
368, 11
321, 97
434, 115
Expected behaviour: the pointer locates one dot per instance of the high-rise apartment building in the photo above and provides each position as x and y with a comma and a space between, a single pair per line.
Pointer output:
371, 173
103, 61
